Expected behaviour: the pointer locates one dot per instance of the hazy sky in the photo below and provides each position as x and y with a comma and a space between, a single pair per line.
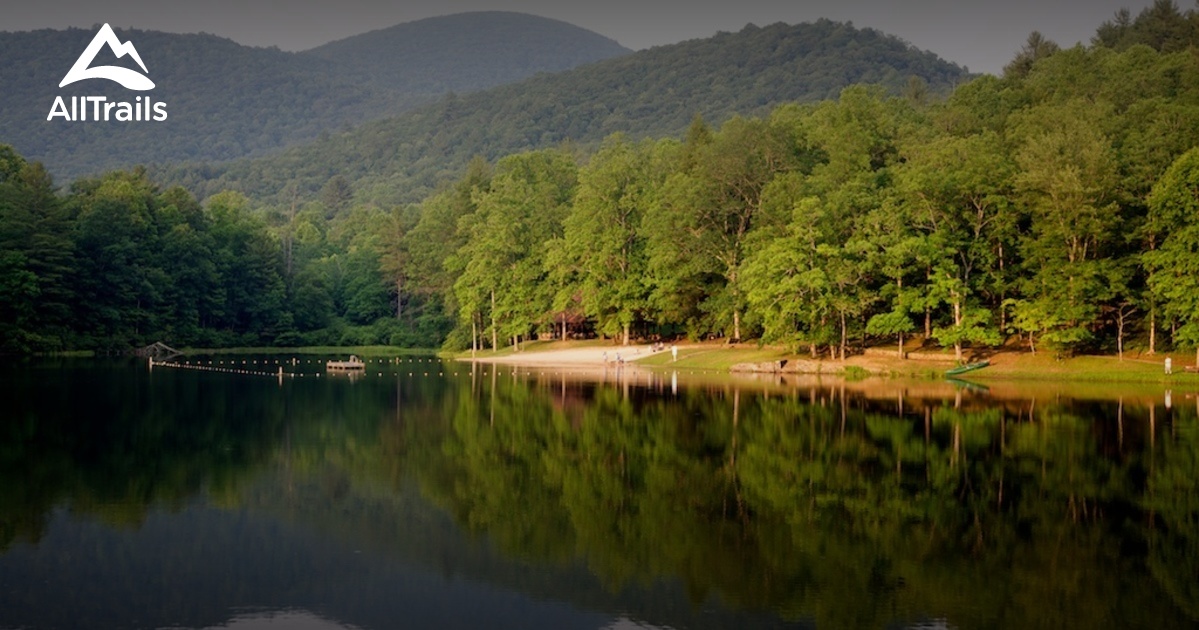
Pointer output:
980, 34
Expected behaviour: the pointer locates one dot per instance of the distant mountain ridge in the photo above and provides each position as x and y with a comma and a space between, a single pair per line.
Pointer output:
228, 101
654, 92
486, 48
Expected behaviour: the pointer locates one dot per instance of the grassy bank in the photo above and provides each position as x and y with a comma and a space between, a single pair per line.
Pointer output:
714, 357
1007, 365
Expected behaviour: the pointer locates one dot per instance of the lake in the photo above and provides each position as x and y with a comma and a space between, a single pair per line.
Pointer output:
424, 494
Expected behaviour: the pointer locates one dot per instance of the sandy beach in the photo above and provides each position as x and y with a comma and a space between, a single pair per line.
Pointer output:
567, 357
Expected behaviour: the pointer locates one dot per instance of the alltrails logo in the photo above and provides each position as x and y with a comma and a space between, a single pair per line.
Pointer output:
142, 108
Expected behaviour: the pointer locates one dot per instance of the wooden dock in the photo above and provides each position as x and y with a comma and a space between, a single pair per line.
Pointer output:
353, 364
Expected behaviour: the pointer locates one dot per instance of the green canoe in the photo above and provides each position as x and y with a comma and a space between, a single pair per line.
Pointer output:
969, 367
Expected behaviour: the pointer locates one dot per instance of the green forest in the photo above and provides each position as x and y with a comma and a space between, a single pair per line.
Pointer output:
1055, 205
648, 94
229, 101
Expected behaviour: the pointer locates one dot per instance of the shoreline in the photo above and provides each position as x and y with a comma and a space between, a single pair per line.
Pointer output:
587, 356
748, 359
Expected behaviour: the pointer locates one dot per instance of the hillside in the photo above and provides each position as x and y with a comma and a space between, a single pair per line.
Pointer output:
473, 51
654, 92
228, 101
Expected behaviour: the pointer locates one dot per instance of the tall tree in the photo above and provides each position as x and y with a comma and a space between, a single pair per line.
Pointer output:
1174, 267
248, 261
787, 280
503, 258
38, 258
602, 238
1067, 175
708, 208
1036, 48
118, 286
956, 195
336, 195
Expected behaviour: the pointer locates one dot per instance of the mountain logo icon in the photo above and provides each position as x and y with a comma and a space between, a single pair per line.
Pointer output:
131, 79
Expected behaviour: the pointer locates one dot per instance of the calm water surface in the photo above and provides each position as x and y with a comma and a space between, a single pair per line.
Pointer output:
430, 495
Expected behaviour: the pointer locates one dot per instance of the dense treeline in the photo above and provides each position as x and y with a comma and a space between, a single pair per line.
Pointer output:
115, 263
650, 93
1057, 204
1161, 26
230, 101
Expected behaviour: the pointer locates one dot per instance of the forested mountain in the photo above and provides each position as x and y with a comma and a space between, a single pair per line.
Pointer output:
1055, 206
466, 52
227, 101
649, 93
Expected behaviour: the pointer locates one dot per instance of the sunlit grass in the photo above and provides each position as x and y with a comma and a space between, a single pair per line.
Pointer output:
714, 357
1006, 365
1088, 368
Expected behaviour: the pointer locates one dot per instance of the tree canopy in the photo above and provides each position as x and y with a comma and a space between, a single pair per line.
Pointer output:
1051, 206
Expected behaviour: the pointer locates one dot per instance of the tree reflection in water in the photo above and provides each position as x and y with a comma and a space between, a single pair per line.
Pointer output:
843, 504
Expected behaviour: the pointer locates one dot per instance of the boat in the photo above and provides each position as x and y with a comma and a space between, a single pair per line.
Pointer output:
969, 367
353, 364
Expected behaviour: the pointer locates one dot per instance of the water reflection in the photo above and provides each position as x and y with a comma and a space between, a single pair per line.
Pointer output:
290, 619
635, 499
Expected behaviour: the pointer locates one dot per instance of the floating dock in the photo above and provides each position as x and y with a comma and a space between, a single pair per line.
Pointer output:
353, 364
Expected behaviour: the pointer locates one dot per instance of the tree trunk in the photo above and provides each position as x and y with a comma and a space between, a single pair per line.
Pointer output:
899, 287
495, 333
1002, 295
564, 327
736, 325
1120, 336
1152, 331
399, 297
287, 253
928, 323
474, 336
844, 335
626, 335
957, 323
